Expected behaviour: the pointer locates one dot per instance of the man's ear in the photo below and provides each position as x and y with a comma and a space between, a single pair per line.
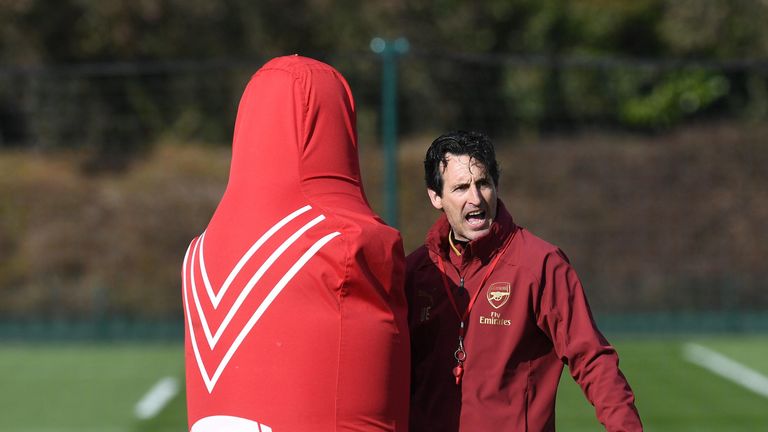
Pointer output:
435, 199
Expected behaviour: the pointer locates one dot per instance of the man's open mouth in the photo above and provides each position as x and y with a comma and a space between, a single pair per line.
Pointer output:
476, 217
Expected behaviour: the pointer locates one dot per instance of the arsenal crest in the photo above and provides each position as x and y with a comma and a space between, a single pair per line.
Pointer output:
498, 294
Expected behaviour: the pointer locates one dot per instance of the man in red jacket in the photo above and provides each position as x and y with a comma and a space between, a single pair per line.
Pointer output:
293, 294
495, 312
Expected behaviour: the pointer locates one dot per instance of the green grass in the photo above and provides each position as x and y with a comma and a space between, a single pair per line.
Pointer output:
674, 395
84, 388
90, 388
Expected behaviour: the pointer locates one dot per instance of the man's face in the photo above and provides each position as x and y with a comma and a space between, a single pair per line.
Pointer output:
468, 197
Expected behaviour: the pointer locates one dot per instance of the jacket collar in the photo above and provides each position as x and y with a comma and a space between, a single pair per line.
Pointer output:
482, 249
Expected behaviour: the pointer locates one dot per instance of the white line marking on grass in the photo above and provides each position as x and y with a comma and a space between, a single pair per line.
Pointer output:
726, 368
156, 398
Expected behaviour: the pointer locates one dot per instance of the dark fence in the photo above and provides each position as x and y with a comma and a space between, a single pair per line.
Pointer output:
103, 330
114, 112
143, 330
124, 106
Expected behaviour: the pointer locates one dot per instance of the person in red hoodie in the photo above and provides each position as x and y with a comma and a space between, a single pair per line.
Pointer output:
293, 295
495, 312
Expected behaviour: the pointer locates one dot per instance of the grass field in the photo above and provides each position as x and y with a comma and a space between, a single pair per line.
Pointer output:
87, 388
95, 388
674, 395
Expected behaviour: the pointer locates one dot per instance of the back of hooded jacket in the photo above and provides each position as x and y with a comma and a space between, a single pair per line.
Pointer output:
293, 294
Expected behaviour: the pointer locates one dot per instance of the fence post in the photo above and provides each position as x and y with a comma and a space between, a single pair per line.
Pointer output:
389, 51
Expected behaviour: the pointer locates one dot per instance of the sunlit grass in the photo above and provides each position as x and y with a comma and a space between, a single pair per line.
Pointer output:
66, 388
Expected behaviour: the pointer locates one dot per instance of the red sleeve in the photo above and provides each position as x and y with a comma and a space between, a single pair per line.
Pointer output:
564, 315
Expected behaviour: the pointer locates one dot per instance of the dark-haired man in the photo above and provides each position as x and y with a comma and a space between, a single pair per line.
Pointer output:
495, 312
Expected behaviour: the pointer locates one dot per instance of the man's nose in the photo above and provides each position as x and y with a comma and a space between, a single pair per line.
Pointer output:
474, 195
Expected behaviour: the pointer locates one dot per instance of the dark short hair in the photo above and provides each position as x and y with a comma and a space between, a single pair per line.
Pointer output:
476, 145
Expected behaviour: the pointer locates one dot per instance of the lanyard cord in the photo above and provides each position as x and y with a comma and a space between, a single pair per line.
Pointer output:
460, 354
463, 317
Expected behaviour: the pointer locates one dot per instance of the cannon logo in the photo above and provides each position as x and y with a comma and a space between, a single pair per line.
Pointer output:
498, 294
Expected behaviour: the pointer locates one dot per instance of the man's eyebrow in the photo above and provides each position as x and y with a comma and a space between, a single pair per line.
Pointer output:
459, 183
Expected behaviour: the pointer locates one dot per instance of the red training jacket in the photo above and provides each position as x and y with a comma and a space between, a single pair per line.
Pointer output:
529, 318
293, 295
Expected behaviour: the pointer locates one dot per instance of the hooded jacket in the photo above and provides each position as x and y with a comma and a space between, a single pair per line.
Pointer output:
293, 295
529, 318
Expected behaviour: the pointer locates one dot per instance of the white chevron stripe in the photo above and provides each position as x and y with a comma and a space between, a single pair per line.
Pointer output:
189, 273
200, 313
215, 298
210, 383
213, 340
192, 337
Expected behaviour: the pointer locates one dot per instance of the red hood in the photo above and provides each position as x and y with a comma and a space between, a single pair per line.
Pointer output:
289, 149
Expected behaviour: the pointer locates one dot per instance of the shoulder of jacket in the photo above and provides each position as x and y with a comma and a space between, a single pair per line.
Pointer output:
533, 244
417, 257
532, 252
366, 230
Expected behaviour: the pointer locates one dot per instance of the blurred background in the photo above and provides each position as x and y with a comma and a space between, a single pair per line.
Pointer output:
630, 133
